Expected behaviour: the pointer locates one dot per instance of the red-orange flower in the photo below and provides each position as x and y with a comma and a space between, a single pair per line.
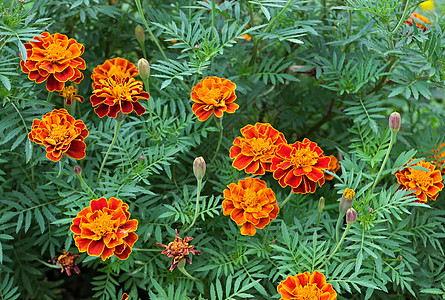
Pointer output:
250, 203
419, 17
125, 296
255, 150
426, 184
333, 167
70, 94
178, 250
104, 228
300, 165
54, 58
60, 133
439, 158
213, 95
306, 286
115, 89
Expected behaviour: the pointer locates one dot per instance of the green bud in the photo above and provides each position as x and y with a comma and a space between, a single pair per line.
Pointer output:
144, 69
321, 204
395, 121
351, 216
199, 168
77, 170
140, 35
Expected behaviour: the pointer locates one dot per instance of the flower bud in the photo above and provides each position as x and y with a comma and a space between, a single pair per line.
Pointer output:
142, 157
139, 33
321, 204
77, 170
144, 69
346, 200
395, 121
371, 210
351, 216
199, 167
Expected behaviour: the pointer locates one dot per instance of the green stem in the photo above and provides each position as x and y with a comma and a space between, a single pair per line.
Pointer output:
287, 199
403, 18
198, 194
213, 14
338, 245
147, 87
86, 185
116, 131
337, 226
48, 98
183, 271
60, 168
391, 143
221, 129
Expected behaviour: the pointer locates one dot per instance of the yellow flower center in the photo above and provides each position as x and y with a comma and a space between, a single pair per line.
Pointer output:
304, 157
121, 92
307, 292
68, 92
260, 146
211, 96
118, 72
55, 52
349, 193
103, 224
421, 178
251, 200
59, 132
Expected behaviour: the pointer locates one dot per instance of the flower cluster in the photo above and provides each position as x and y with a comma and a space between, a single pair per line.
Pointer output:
425, 184
104, 228
306, 286
55, 59
60, 133
251, 204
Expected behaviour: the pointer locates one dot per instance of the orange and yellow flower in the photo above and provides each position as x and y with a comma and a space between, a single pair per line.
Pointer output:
104, 228
417, 16
425, 184
115, 89
178, 250
306, 286
125, 296
439, 158
60, 133
333, 167
255, 150
300, 166
70, 94
213, 95
54, 58
251, 204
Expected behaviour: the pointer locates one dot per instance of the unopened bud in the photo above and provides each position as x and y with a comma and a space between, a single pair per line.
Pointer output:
346, 200
400, 257
144, 69
321, 204
196, 46
351, 216
139, 33
77, 170
22, 1
395, 121
199, 167
142, 157
371, 210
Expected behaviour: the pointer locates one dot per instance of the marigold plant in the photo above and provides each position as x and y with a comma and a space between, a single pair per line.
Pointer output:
61, 134
104, 229
55, 59
306, 286
251, 204
425, 184
213, 95
254, 151
300, 166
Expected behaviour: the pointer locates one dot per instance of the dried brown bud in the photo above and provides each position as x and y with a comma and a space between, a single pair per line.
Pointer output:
77, 170
351, 216
199, 168
140, 35
395, 121
68, 262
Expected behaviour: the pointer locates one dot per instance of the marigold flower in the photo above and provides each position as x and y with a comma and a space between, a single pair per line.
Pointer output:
67, 261
439, 158
60, 133
178, 250
125, 296
250, 203
54, 58
300, 166
426, 184
421, 26
333, 167
306, 286
104, 228
70, 94
254, 151
427, 5
115, 89
213, 95
347, 199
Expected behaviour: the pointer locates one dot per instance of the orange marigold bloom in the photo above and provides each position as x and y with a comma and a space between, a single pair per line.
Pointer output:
60, 133
54, 58
125, 296
419, 17
178, 250
300, 165
115, 89
250, 203
67, 261
306, 286
439, 158
425, 184
255, 150
213, 95
104, 228
333, 167
70, 94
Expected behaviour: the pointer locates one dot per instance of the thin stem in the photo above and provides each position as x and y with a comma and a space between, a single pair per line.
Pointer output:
403, 18
265, 235
86, 185
287, 199
116, 131
60, 168
147, 87
221, 129
213, 14
48, 98
337, 226
338, 245
198, 194
183, 271
393, 138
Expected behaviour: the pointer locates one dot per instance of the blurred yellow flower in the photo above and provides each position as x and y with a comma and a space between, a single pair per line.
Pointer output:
427, 5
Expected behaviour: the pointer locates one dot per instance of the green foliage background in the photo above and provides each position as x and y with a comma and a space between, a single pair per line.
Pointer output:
328, 70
